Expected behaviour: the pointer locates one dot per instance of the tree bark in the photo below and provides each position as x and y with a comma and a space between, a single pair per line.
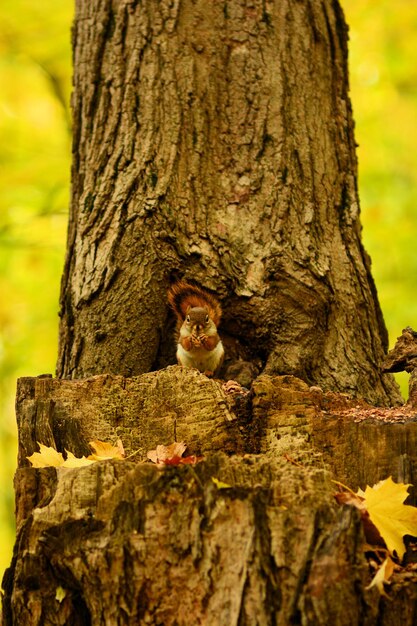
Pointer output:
127, 543
215, 141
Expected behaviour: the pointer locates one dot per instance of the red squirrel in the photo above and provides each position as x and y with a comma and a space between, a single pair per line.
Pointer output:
198, 315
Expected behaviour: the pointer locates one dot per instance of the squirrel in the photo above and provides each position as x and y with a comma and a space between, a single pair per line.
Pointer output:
198, 315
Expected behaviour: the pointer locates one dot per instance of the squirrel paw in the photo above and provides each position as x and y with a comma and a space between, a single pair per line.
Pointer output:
187, 343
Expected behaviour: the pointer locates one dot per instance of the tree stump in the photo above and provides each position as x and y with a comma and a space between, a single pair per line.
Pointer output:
249, 535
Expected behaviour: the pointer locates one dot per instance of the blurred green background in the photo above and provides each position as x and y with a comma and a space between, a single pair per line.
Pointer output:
35, 144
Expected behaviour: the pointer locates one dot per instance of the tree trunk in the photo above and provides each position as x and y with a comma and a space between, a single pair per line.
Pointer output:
215, 141
253, 539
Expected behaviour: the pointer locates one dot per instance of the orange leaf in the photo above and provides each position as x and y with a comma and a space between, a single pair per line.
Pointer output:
167, 454
104, 451
382, 576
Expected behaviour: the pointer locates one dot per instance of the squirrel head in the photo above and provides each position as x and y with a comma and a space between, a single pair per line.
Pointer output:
197, 319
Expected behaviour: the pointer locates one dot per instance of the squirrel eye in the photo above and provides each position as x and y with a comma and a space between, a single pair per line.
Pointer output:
207, 319
188, 319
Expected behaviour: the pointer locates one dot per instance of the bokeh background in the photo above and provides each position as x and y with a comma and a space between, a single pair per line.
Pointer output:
35, 148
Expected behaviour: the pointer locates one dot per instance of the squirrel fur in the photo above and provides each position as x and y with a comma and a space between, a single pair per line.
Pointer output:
198, 314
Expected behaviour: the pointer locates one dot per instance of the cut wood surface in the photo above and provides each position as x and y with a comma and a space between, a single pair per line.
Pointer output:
169, 405
360, 443
266, 545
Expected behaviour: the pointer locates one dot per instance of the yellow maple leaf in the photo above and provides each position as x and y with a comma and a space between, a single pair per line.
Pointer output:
60, 594
46, 457
49, 457
74, 461
382, 576
104, 451
387, 511
219, 484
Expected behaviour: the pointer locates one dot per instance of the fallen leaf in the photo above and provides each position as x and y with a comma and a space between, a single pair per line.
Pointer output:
347, 497
152, 455
231, 386
47, 457
382, 576
192, 459
387, 511
219, 484
104, 451
74, 461
60, 594
162, 454
172, 455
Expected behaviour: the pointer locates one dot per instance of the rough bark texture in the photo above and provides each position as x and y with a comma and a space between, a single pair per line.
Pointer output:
127, 543
134, 545
214, 140
403, 357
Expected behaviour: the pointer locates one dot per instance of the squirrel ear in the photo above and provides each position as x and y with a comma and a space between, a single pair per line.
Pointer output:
188, 309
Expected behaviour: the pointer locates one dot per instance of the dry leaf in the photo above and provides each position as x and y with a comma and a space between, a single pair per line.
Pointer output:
60, 594
192, 459
382, 576
393, 519
172, 455
47, 457
74, 461
231, 386
219, 483
104, 451
346, 497
385, 519
164, 454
